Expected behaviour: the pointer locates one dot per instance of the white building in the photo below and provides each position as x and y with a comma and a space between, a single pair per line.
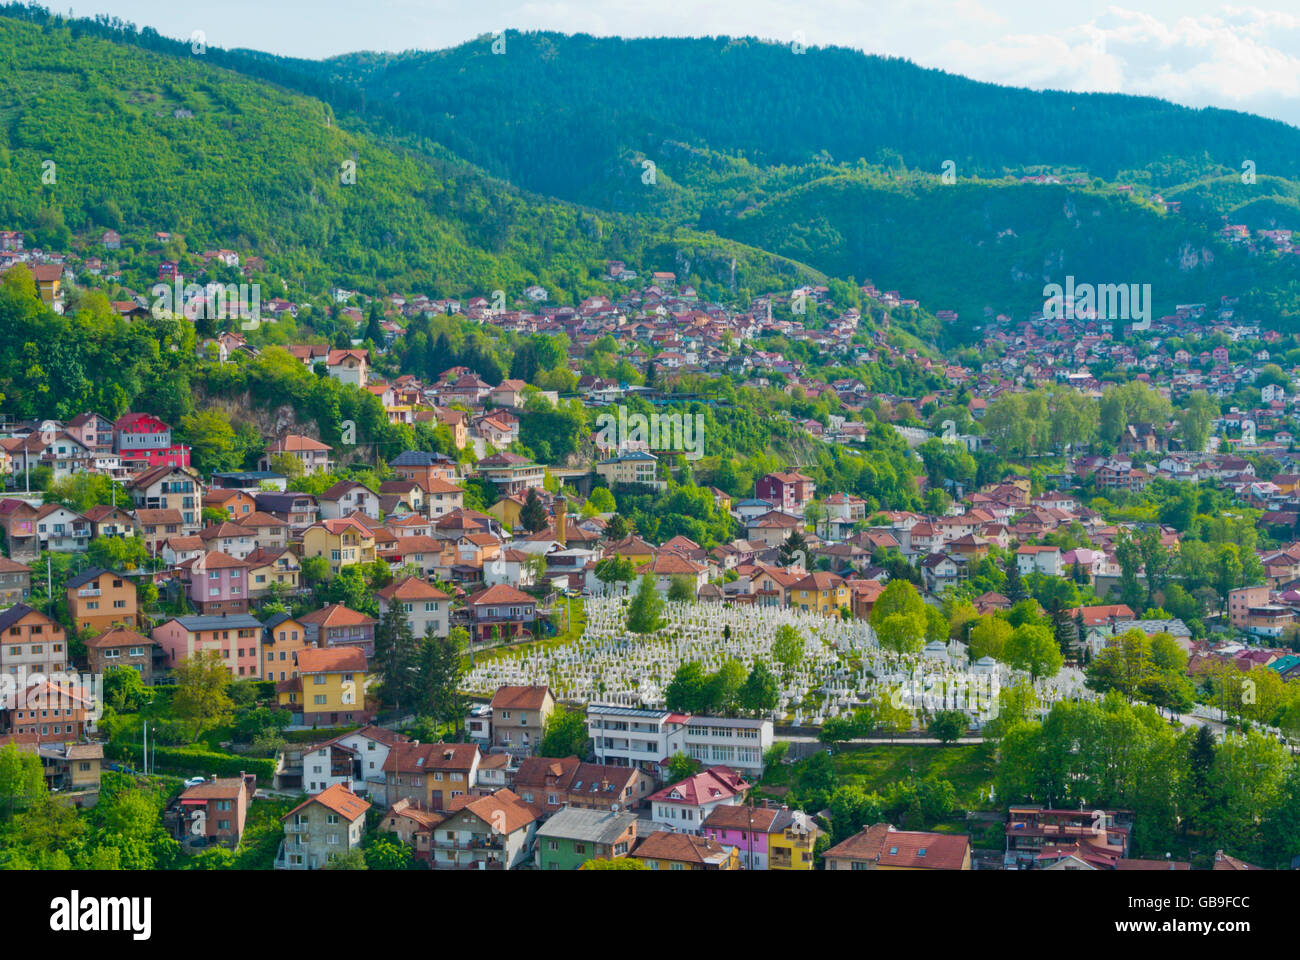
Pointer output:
354, 760
637, 737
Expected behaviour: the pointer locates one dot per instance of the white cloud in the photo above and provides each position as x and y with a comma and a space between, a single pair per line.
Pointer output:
1238, 58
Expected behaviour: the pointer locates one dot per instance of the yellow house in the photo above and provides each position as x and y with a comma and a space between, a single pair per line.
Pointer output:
508, 510
330, 687
634, 548
791, 840
822, 593
272, 568
342, 542
633, 467
457, 422
283, 638
49, 281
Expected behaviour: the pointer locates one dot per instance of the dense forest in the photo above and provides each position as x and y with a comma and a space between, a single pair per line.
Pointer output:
839, 173
101, 135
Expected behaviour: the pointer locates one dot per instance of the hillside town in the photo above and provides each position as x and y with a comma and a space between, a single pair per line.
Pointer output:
465, 655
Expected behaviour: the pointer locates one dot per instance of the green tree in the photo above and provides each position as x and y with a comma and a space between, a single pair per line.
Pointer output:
899, 618
22, 780
565, 734
680, 767
396, 657
124, 690
643, 613
760, 693
385, 853
1034, 648
787, 648
533, 515
948, 726
681, 590
201, 699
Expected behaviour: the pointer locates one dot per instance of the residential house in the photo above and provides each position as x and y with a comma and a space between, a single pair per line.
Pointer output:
500, 611
685, 805
343, 542
219, 584
335, 625
346, 498
330, 687
666, 850
430, 775
215, 810
312, 455
788, 492
61, 530
354, 760
330, 824
283, 638
766, 837
121, 647
519, 716
99, 598
235, 637
31, 642
573, 836
485, 833
15, 581
170, 487
424, 607
882, 847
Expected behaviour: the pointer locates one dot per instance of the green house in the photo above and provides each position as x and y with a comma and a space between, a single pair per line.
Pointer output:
573, 836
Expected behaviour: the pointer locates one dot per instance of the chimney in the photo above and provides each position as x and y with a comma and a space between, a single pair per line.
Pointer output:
561, 508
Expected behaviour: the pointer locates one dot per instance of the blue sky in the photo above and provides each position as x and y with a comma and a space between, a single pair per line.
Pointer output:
1190, 51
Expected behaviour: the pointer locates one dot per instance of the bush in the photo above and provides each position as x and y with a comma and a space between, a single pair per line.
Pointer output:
193, 761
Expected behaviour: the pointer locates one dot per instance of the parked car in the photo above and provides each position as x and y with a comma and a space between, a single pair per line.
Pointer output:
194, 781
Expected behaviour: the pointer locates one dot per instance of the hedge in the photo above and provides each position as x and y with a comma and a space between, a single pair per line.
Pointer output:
193, 761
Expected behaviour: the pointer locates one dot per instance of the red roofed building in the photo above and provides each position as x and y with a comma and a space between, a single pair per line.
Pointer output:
881, 847
328, 824
500, 611
685, 805
788, 492
215, 811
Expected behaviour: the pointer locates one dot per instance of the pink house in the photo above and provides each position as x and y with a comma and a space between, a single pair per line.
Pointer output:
237, 638
219, 583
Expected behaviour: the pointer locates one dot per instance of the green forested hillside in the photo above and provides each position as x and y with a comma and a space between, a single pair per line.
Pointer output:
993, 244
97, 134
798, 166
519, 113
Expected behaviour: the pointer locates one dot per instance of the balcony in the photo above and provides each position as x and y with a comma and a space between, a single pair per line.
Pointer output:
476, 843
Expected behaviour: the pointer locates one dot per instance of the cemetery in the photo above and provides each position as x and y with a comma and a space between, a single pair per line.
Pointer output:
842, 666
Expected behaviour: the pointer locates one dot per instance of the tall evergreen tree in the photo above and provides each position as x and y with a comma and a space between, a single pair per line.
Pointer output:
794, 549
1015, 589
533, 515
396, 656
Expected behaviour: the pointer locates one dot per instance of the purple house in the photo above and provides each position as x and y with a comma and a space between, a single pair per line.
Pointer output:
745, 828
